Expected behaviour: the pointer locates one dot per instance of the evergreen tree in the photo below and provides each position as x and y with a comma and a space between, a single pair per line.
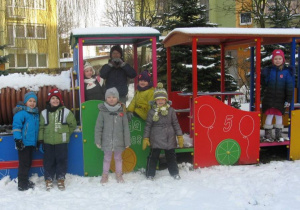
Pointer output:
189, 13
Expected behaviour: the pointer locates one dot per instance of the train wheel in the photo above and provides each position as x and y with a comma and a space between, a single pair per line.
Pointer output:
129, 161
228, 152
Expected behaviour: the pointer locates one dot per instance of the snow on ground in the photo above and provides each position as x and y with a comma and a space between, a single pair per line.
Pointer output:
267, 186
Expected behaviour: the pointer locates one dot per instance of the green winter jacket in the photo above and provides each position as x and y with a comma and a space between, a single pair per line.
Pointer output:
56, 127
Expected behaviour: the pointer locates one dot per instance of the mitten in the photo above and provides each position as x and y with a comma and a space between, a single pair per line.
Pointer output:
40, 143
117, 62
129, 116
180, 141
19, 144
146, 143
110, 64
98, 145
286, 104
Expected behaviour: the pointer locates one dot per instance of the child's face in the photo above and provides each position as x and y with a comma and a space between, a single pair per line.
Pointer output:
115, 54
160, 102
278, 60
31, 103
54, 101
143, 83
111, 100
88, 73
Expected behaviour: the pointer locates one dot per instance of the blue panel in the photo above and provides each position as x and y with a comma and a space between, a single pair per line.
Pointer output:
9, 153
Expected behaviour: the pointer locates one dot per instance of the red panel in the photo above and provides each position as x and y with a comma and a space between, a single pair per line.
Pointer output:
15, 164
215, 122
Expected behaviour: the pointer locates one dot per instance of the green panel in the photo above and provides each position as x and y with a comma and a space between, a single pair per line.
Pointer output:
136, 126
228, 152
93, 157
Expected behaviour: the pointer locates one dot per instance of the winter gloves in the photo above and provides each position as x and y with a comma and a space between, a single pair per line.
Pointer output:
180, 141
99, 146
116, 62
286, 104
19, 144
129, 116
146, 143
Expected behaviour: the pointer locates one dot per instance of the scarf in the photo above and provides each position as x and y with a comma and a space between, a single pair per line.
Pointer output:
162, 109
144, 88
112, 108
90, 83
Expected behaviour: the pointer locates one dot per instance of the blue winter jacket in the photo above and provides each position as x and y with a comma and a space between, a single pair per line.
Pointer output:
277, 87
26, 124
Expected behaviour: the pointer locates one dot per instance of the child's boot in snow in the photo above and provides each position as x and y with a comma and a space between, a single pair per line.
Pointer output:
278, 133
268, 133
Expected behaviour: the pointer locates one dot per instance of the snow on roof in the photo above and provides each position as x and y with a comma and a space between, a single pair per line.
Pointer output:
230, 36
114, 30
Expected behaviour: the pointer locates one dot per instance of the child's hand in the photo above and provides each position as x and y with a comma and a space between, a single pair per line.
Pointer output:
180, 141
98, 145
129, 116
19, 144
146, 143
286, 104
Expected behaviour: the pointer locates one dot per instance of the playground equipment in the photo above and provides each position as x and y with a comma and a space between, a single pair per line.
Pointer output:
221, 134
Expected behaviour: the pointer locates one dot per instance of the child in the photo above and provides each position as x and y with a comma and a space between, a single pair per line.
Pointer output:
140, 103
277, 81
160, 132
116, 72
112, 133
94, 90
57, 123
25, 132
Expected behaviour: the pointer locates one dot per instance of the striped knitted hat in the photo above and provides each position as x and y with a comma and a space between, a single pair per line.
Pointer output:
160, 92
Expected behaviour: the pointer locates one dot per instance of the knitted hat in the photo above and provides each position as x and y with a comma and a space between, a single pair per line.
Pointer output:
55, 92
29, 95
116, 48
112, 92
88, 65
145, 75
278, 52
160, 92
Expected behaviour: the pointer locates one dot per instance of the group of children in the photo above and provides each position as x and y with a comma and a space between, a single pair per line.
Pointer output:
56, 123
51, 129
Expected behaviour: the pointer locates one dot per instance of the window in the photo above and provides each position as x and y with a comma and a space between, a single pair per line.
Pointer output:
35, 4
245, 18
30, 31
10, 35
12, 61
40, 32
30, 60
42, 60
21, 60
20, 31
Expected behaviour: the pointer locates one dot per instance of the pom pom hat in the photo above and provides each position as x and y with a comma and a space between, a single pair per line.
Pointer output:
88, 65
145, 75
160, 92
29, 95
278, 52
55, 92
116, 48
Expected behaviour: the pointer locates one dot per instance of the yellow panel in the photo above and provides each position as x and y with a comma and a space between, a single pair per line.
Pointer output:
295, 135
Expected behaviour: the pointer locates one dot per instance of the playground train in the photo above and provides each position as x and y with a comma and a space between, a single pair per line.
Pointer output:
221, 134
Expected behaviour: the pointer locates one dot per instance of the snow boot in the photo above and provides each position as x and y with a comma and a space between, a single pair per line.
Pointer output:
104, 179
278, 133
119, 178
49, 185
268, 133
61, 184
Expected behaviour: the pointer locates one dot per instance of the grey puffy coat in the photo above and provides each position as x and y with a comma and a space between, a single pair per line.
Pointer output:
162, 133
112, 130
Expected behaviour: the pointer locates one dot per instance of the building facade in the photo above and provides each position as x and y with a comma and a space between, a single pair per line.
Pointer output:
29, 31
